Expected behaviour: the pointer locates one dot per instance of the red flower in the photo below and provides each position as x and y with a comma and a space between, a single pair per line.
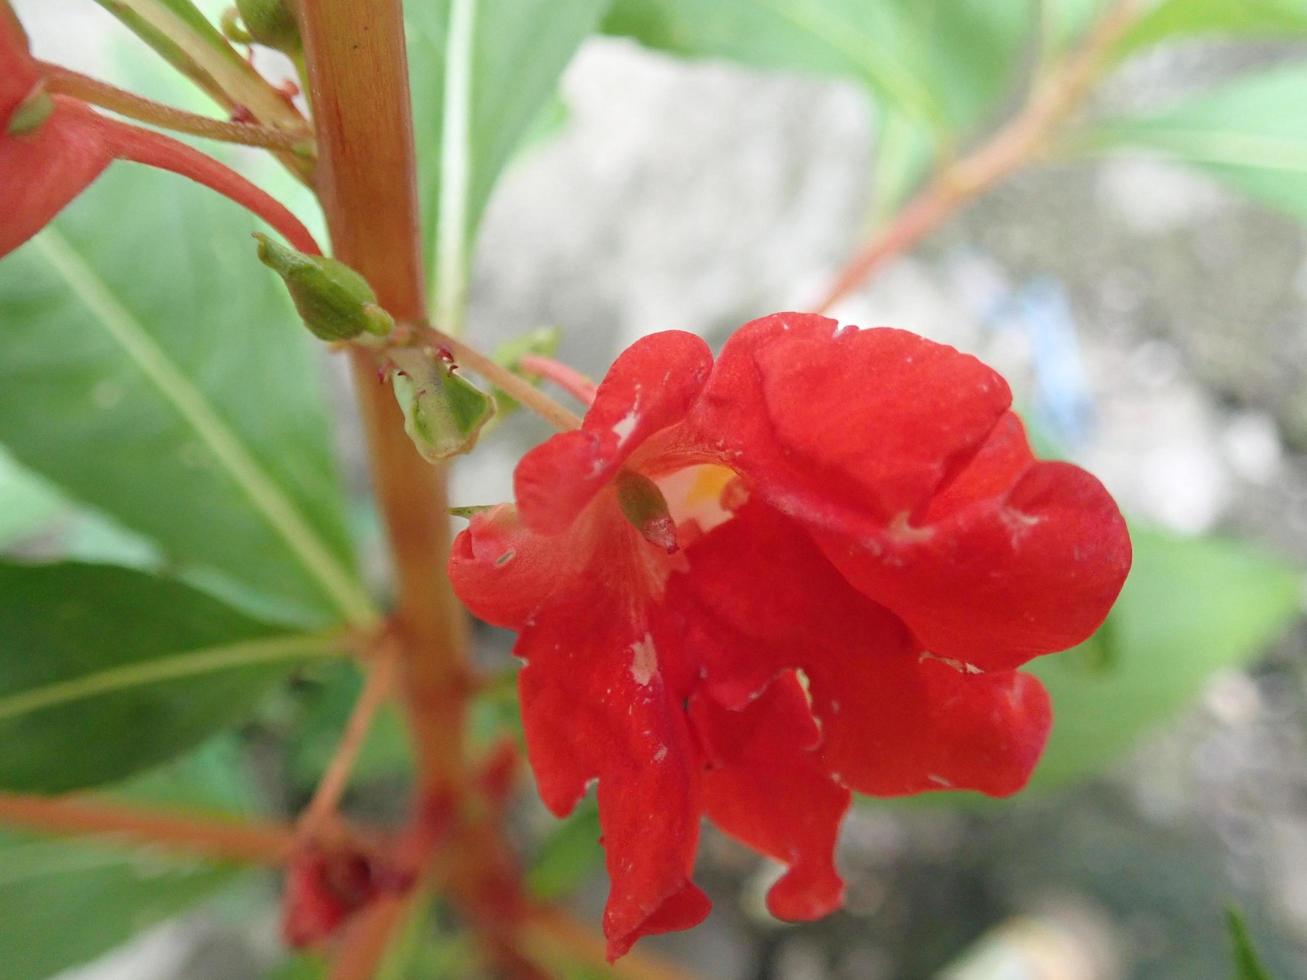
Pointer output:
867, 548
53, 147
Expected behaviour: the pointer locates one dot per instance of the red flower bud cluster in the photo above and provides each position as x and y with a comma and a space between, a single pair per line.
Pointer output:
864, 550
52, 147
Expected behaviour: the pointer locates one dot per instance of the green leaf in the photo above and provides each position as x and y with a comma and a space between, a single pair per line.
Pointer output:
1250, 133
569, 855
1184, 19
1065, 21
25, 502
160, 376
504, 60
323, 707
1247, 964
1190, 607
138, 17
945, 63
65, 901
108, 671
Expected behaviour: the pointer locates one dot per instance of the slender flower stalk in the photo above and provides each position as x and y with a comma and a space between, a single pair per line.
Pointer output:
566, 377
1053, 99
221, 840
64, 81
514, 385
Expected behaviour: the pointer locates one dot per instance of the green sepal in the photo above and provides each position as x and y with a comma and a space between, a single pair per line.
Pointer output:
271, 23
443, 412
31, 112
644, 505
334, 301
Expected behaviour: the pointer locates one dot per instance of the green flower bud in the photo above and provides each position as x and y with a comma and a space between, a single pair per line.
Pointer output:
333, 300
271, 23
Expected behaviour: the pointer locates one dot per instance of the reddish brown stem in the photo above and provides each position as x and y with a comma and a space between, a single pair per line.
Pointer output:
1011, 148
358, 80
246, 842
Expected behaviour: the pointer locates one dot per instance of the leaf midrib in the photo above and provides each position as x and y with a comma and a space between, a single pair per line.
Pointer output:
191, 404
175, 666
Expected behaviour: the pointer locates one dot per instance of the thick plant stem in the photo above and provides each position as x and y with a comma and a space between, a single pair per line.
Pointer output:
219, 840
357, 72
358, 81
1010, 149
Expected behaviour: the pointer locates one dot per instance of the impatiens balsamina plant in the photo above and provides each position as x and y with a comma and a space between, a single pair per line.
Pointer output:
745, 587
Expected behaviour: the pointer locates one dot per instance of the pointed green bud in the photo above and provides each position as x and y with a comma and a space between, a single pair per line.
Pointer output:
644, 505
443, 412
333, 300
31, 112
271, 23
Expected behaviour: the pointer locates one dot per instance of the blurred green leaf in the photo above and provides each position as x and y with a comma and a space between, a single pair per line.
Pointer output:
1066, 21
1250, 133
25, 502
303, 967
1247, 964
199, 26
160, 376
107, 671
569, 855
323, 711
944, 62
65, 901
1182, 19
518, 50
1190, 607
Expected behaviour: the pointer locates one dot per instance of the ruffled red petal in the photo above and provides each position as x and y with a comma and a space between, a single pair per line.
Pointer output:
838, 426
598, 704
1016, 558
503, 573
766, 785
649, 388
894, 726
894, 719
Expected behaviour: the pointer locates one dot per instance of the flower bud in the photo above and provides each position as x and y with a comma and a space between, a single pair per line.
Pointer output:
271, 23
334, 301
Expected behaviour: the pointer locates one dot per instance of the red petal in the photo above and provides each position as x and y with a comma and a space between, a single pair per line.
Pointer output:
503, 573
41, 171
649, 388
895, 727
18, 74
767, 786
597, 702
1017, 558
893, 722
841, 425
